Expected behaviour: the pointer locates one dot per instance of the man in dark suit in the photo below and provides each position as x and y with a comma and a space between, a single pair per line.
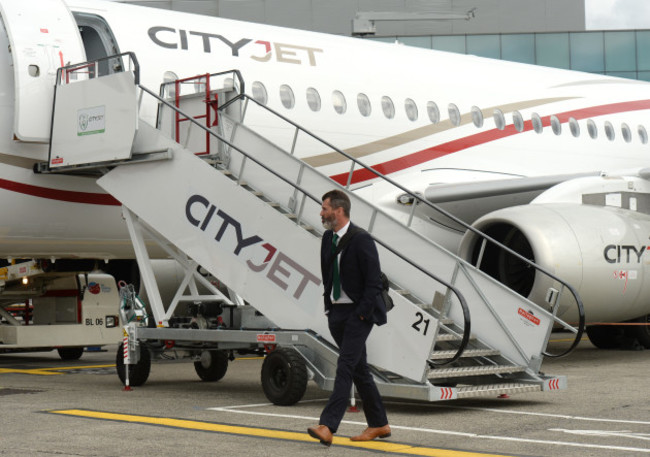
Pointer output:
353, 305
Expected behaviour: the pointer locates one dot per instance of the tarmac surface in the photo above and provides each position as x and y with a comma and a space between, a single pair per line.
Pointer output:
50, 407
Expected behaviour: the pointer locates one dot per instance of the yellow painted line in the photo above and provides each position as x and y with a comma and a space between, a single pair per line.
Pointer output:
52, 370
381, 446
61, 370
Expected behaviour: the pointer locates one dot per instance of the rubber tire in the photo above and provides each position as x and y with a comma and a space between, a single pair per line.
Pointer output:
138, 373
73, 353
284, 377
642, 332
605, 336
216, 370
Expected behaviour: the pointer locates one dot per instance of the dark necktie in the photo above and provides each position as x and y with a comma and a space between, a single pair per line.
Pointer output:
336, 280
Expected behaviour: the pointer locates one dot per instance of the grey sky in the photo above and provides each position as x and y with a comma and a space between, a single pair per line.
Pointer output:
617, 14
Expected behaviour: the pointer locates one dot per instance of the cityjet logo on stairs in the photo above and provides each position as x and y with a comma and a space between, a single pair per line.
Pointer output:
260, 50
279, 268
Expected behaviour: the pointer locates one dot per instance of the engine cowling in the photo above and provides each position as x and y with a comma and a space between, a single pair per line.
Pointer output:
603, 252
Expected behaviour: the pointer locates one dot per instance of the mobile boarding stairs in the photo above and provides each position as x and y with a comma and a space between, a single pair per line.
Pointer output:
200, 183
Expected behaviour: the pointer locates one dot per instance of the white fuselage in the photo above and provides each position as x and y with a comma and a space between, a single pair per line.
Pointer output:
70, 216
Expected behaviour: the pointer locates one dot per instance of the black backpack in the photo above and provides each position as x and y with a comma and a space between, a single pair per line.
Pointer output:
345, 240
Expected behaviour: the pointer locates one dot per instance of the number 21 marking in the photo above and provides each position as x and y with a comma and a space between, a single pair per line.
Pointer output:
421, 320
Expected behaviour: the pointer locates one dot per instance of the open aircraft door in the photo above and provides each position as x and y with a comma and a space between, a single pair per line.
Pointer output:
43, 36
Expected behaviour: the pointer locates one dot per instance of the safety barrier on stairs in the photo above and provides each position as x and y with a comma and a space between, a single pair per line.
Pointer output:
359, 169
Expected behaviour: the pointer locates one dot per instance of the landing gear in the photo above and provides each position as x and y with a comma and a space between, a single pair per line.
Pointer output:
642, 332
70, 353
635, 337
284, 377
605, 336
139, 372
212, 366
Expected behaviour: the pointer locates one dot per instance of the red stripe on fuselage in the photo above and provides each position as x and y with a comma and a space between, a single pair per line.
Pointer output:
58, 194
417, 158
390, 166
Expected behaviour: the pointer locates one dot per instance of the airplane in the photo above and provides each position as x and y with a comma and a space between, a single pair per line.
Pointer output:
550, 162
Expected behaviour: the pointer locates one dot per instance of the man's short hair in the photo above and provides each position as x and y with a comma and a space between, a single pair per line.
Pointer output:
338, 199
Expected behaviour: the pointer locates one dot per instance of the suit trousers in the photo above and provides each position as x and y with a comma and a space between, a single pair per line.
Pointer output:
350, 334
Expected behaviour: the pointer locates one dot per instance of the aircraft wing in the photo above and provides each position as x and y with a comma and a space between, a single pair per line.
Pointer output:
471, 200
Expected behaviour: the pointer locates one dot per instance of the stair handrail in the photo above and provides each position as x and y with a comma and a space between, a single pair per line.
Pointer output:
421, 200
461, 299
70, 69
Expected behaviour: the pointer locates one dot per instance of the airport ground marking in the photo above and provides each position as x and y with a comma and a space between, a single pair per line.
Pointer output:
232, 409
257, 432
51, 370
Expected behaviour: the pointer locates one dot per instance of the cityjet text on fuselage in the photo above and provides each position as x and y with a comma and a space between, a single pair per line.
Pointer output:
259, 50
624, 253
282, 270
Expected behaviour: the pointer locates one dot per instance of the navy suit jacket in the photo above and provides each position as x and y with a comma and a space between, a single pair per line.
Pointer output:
359, 272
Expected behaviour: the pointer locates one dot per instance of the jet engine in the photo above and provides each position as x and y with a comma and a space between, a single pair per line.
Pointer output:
602, 251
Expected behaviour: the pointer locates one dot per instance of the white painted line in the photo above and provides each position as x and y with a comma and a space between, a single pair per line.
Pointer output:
606, 433
453, 433
529, 413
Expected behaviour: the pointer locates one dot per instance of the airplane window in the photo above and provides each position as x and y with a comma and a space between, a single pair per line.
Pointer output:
643, 134
313, 99
259, 92
454, 114
387, 107
499, 119
592, 129
433, 112
609, 131
627, 135
477, 116
286, 96
338, 99
574, 127
537, 123
364, 105
518, 120
556, 125
411, 109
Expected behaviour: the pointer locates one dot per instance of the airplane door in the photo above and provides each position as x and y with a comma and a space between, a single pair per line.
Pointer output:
43, 36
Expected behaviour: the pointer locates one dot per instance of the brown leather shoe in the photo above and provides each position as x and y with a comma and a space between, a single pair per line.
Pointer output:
321, 433
371, 433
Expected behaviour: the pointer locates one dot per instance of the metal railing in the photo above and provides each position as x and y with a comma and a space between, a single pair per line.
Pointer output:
307, 195
126, 61
419, 200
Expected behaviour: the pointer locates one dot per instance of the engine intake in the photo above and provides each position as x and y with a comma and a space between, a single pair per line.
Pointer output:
603, 252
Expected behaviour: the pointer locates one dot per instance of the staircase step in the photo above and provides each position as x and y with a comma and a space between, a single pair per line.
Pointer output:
457, 372
451, 337
489, 390
437, 355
